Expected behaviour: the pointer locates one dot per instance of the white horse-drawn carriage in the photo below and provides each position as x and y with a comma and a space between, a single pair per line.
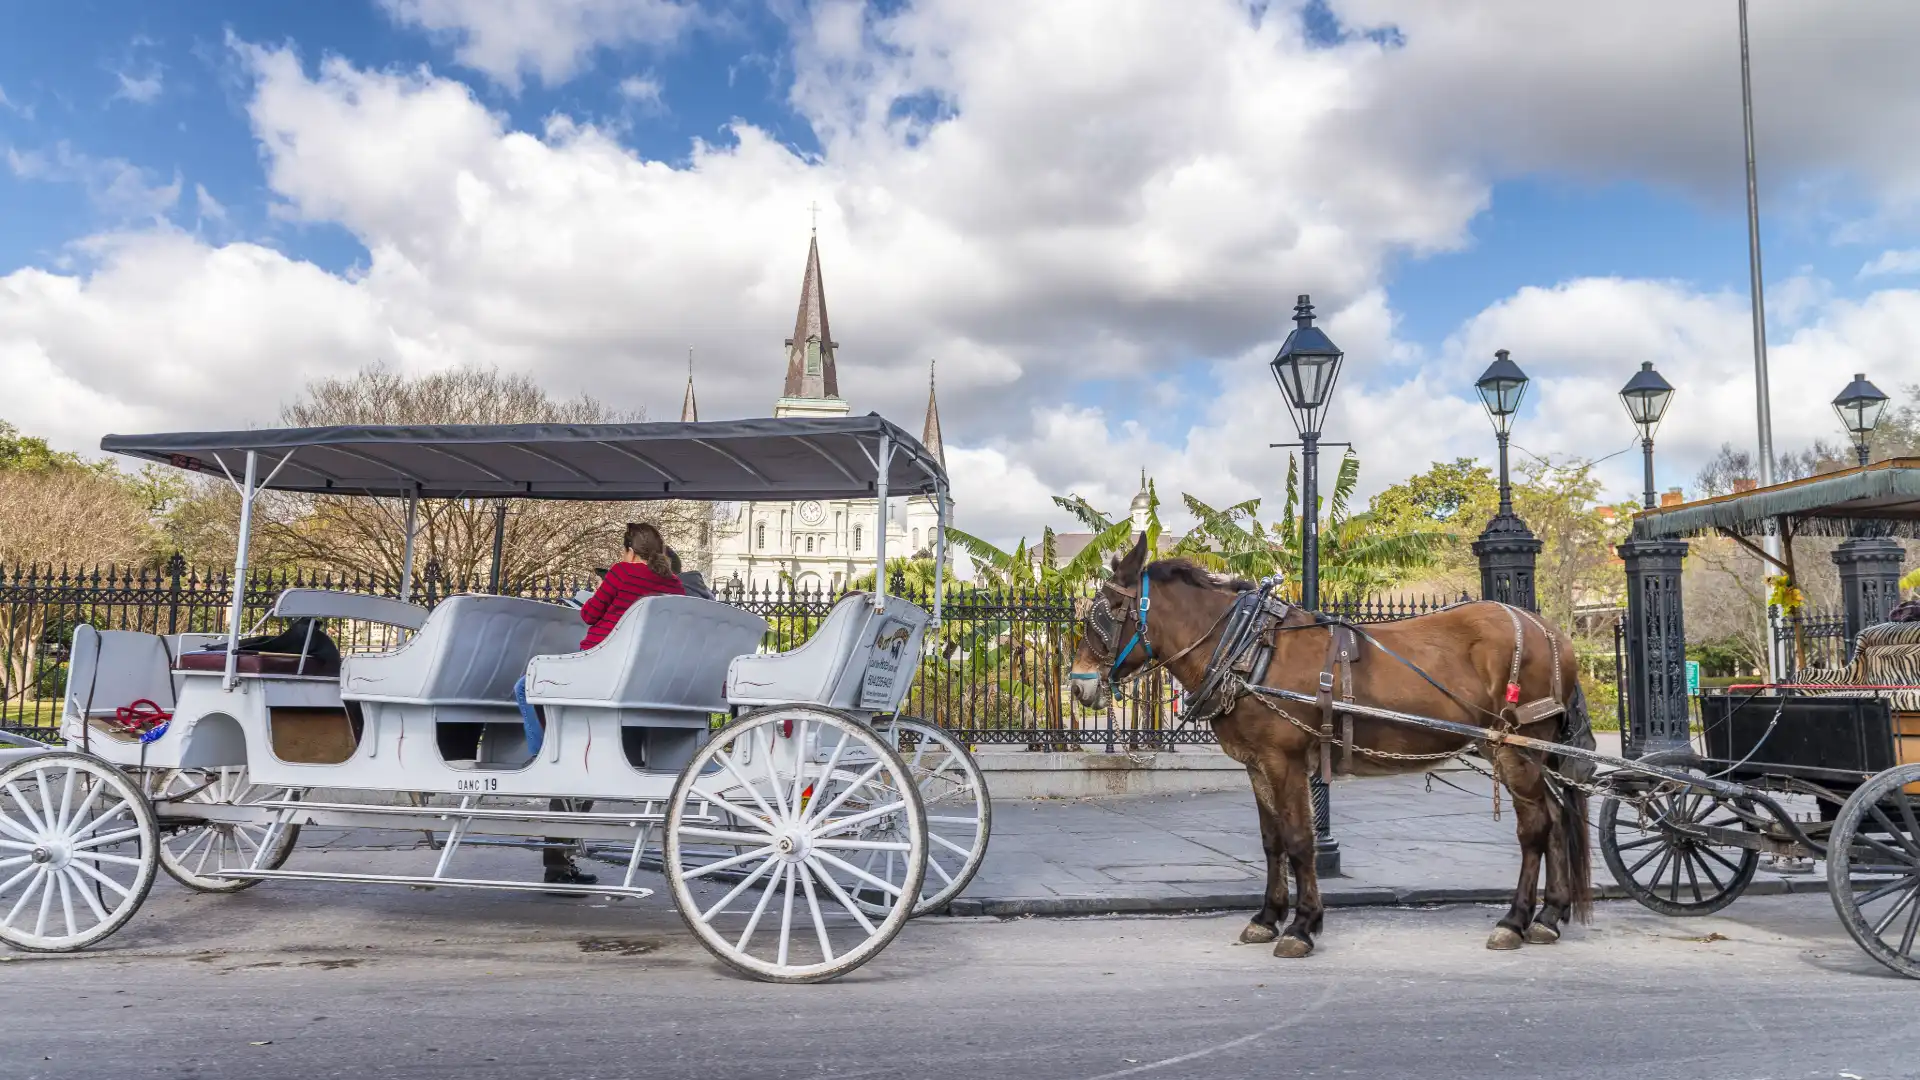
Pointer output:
798, 820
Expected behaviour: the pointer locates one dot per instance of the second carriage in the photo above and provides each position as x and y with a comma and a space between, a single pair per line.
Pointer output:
798, 819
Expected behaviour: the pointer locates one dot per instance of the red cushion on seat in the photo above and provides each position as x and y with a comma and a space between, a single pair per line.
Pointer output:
256, 664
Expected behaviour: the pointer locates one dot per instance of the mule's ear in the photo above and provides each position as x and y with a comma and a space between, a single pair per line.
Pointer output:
1126, 569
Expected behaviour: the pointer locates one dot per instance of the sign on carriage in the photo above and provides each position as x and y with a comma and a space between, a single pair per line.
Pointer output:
884, 663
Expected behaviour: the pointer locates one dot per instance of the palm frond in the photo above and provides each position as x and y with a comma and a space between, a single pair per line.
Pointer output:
1094, 520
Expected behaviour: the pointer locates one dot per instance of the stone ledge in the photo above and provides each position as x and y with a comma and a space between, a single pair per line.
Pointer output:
1027, 774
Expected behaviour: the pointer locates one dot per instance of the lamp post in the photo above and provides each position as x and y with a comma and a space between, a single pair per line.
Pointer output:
1859, 407
1656, 628
1507, 550
1869, 566
1646, 396
1306, 368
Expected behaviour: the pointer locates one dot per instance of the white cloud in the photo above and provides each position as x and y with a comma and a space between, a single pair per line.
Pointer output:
1098, 232
115, 186
141, 89
548, 39
1893, 262
25, 112
643, 90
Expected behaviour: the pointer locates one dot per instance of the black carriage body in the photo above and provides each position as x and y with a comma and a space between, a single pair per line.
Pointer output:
1831, 740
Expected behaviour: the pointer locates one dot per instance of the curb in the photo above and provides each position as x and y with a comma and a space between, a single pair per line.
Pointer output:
1336, 897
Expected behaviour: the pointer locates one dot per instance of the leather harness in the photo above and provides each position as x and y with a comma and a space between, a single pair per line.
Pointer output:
1247, 644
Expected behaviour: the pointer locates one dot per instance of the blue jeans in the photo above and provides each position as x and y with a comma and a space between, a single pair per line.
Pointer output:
536, 730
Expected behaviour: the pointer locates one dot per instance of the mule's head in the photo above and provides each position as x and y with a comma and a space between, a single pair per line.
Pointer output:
1109, 622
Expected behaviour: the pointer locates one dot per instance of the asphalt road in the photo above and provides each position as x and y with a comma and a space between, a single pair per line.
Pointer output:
294, 980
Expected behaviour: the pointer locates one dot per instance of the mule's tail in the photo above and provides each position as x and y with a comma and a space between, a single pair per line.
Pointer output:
1573, 823
1576, 730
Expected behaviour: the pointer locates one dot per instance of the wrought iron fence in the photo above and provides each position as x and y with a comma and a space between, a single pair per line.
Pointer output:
993, 673
1809, 641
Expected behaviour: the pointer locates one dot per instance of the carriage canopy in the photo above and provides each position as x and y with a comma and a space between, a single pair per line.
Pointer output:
727, 460
1882, 499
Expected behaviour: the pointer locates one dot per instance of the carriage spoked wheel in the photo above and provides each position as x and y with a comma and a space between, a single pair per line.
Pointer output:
1667, 870
959, 810
194, 854
766, 833
1873, 868
78, 848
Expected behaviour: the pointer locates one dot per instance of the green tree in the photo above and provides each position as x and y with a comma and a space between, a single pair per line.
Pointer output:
1359, 555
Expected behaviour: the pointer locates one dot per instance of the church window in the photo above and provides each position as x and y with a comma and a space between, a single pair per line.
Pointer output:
856, 538
916, 539
813, 356
760, 535
809, 545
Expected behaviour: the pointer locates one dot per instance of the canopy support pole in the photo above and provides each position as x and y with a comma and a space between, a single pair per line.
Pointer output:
231, 677
939, 548
406, 559
1755, 549
499, 543
884, 464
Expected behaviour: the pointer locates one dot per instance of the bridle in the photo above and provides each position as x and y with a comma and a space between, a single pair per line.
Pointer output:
1105, 630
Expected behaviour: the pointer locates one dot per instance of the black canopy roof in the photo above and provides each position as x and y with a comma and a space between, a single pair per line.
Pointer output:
1882, 499
788, 458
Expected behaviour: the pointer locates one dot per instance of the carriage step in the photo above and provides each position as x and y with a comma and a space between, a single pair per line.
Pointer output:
652, 811
421, 882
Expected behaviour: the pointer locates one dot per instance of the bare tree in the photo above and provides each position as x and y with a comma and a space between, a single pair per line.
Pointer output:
360, 536
61, 517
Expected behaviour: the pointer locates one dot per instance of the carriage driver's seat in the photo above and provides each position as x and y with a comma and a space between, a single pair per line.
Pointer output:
829, 667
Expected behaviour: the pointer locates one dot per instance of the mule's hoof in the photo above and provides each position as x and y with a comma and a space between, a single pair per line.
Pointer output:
1503, 939
1292, 948
1542, 934
1255, 934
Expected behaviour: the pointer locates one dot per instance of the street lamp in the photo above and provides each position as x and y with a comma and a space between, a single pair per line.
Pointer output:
1501, 389
1646, 396
1859, 407
1507, 549
1306, 367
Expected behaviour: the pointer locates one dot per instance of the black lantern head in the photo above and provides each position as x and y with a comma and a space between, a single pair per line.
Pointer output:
1646, 396
1501, 390
1859, 407
1306, 368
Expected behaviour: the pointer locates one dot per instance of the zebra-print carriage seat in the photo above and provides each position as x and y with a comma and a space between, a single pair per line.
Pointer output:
1885, 655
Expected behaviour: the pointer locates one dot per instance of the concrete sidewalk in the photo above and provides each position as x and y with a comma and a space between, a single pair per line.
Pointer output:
1400, 843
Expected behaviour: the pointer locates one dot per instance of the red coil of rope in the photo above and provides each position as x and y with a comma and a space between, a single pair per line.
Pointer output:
141, 716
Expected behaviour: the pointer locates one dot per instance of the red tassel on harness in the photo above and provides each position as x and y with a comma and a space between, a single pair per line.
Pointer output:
1513, 693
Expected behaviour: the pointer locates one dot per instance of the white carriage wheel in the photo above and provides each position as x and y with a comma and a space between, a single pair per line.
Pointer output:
194, 854
959, 808
77, 851
774, 849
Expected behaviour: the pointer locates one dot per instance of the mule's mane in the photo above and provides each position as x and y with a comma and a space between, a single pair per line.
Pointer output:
1188, 572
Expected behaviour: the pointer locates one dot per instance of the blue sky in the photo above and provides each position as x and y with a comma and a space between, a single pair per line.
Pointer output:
1590, 188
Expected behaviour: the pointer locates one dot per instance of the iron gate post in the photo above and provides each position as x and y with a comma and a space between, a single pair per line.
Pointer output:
1869, 582
1507, 551
1656, 648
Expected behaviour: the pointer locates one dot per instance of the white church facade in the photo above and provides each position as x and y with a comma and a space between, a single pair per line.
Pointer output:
816, 545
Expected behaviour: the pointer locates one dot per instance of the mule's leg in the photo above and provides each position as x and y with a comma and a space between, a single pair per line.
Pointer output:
1533, 826
1558, 898
1289, 778
1266, 922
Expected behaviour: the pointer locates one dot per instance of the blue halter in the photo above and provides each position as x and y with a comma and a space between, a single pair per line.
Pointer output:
1139, 632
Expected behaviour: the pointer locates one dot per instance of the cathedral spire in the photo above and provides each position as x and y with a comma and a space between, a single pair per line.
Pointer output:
930, 434
810, 372
689, 409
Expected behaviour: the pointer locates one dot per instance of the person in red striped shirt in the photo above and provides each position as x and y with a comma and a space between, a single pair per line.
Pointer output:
644, 570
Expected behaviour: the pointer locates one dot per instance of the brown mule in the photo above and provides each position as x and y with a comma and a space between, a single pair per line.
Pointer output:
1468, 649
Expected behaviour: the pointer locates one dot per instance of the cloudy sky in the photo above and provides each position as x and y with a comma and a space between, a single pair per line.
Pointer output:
1094, 213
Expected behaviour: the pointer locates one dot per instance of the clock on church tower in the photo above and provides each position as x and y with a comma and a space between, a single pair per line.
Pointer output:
812, 513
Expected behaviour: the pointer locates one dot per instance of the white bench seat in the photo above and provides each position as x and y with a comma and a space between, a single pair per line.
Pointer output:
829, 668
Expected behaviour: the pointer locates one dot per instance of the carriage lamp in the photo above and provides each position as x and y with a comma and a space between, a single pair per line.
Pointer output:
1501, 390
1646, 396
1859, 407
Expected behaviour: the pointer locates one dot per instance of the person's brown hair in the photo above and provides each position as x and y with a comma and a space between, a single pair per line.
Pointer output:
645, 541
